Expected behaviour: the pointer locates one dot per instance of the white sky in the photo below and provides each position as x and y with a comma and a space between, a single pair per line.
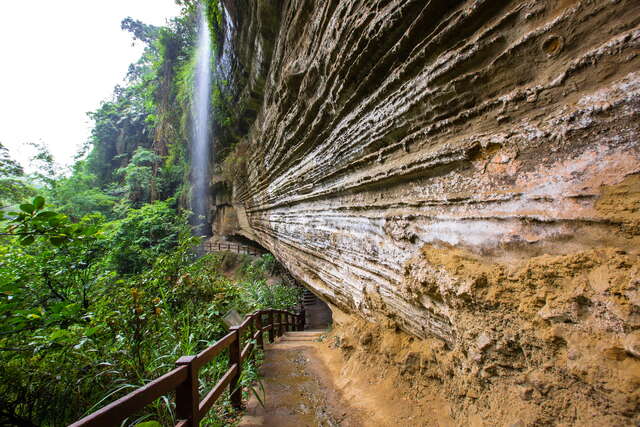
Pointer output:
58, 60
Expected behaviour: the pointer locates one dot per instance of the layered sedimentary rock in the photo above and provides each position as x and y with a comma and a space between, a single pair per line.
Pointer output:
468, 171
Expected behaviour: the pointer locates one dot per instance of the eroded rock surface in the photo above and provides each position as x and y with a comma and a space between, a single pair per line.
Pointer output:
467, 171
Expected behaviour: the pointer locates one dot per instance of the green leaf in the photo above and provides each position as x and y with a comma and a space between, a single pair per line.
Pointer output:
38, 203
46, 215
27, 207
55, 220
149, 424
59, 333
26, 241
57, 240
91, 331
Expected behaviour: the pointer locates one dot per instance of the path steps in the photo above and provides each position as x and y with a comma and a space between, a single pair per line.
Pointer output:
299, 337
308, 298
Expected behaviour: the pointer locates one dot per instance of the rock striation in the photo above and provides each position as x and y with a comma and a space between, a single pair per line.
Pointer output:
464, 171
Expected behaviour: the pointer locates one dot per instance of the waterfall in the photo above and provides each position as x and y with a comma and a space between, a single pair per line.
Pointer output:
200, 127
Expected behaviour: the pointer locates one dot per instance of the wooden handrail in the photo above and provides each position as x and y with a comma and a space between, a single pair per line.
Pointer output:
234, 247
206, 355
246, 322
135, 401
217, 390
190, 409
246, 351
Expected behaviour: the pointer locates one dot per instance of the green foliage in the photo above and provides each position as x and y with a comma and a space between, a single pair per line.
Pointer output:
13, 187
257, 292
32, 222
78, 195
234, 166
120, 127
145, 233
75, 331
100, 288
138, 175
214, 18
8, 166
141, 31
44, 163
146, 114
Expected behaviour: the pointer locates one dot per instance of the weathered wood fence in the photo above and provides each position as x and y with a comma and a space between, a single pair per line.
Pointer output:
190, 409
231, 247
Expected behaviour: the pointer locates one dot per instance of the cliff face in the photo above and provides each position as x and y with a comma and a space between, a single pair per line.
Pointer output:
463, 171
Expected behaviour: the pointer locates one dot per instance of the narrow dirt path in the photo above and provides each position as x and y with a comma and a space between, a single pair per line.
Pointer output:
310, 383
299, 391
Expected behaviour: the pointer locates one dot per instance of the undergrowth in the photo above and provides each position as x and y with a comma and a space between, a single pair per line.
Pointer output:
134, 330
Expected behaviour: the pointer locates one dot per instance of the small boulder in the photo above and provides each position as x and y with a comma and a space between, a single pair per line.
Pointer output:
476, 356
632, 344
559, 312
483, 341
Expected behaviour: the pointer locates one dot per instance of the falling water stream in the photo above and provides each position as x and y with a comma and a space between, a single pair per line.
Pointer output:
200, 128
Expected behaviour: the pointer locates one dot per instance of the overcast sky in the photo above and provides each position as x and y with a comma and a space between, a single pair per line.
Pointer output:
58, 60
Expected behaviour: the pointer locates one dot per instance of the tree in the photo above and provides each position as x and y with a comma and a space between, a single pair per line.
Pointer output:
144, 32
79, 195
47, 171
13, 187
143, 235
138, 176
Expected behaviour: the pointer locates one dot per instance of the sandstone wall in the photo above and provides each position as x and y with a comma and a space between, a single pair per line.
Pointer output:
464, 171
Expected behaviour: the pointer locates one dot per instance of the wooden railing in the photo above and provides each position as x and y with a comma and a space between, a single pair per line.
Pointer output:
190, 409
232, 247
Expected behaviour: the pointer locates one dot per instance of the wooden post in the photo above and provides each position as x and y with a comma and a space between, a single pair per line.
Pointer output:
302, 319
252, 329
275, 328
187, 395
234, 358
260, 340
283, 323
271, 331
